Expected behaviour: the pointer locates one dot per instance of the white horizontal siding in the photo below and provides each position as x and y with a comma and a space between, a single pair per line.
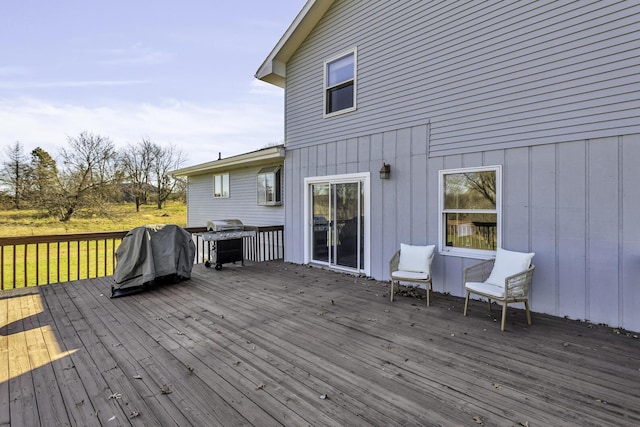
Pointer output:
486, 75
242, 202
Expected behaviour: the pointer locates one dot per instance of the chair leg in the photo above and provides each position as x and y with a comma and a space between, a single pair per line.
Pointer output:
393, 283
489, 300
427, 288
466, 303
504, 315
526, 306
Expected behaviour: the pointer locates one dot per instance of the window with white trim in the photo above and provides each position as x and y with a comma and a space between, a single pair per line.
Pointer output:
470, 206
340, 84
221, 186
270, 186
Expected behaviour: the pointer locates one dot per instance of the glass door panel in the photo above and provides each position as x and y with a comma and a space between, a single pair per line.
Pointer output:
346, 221
337, 233
320, 235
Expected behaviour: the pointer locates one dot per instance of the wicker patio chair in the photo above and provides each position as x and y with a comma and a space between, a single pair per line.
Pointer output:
412, 264
506, 278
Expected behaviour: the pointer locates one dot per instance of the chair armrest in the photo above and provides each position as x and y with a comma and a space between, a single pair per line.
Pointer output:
479, 272
519, 284
393, 262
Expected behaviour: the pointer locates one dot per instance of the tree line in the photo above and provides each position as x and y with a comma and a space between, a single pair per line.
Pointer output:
89, 173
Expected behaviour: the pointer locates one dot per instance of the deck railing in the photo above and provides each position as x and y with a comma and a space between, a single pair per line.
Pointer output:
473, 235
267, 245
41, 260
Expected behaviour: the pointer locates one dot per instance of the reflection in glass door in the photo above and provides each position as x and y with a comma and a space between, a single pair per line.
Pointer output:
346, 219
338, 224
320, 234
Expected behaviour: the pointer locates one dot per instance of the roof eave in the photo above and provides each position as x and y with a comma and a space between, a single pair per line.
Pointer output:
242, 160
273, 70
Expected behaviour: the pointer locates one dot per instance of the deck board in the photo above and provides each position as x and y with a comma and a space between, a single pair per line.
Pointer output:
4, 363
93, 405
23, 404
132, 394
50, 406
324, 358
259, 345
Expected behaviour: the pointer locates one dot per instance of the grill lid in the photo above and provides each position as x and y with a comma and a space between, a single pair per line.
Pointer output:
218, 225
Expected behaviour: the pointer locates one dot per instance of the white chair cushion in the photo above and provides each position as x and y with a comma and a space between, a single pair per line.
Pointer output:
485, 289
507, 264
409, 275
415, 258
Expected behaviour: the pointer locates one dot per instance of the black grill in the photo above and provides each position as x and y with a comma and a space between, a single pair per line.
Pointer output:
226, 239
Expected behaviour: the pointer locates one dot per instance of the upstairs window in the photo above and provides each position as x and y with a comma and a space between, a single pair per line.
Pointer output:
470, 206
221, 186
270, 186
340, 84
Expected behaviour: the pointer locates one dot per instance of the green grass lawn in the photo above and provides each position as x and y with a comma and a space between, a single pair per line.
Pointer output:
26, 265
115, 218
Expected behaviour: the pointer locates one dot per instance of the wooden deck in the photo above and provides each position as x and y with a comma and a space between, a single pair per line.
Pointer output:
278, 344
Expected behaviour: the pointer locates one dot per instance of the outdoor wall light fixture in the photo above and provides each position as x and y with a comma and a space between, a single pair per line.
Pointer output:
385, 171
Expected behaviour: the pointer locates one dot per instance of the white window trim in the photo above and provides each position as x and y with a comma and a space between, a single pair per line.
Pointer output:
277, 192
228, 184
353, 51
462, 252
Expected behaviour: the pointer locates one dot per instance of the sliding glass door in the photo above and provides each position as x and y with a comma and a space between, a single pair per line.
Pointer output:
337, 232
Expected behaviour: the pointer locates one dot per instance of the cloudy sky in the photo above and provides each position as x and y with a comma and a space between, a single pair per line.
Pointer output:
179, 72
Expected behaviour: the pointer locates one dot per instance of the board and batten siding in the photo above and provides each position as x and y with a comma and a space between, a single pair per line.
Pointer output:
574, 204
546, 89
486, 75
242, 203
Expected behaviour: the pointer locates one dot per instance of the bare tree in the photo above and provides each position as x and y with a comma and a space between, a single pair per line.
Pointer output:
146, 167
136, 164
89, 176
483, 183
15, 173
180, 190
163, 161
473, 190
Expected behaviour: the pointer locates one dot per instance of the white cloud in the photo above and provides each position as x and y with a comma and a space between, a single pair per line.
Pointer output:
136, 54
70, 83
200, 130
14, 71
258, 87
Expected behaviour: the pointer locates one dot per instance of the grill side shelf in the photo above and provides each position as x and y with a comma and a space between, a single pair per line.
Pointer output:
226, 235
228, 246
